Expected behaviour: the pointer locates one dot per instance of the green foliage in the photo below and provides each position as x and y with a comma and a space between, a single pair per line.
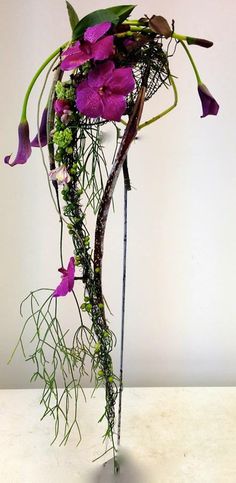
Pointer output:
73, 17
114, 15
63, 138
65, 91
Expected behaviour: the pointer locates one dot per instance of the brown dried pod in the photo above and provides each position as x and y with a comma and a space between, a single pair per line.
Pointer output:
160, 25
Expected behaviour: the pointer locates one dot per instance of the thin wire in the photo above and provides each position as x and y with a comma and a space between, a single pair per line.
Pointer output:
126, 188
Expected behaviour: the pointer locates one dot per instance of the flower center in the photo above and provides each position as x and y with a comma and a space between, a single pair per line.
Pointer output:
103, 90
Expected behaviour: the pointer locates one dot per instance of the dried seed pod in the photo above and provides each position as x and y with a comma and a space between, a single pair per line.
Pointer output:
160, 25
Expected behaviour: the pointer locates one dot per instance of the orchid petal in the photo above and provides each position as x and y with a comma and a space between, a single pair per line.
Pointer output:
62, 289
209, 104
103, 49
24, 147
80, 57
41, 138
122, 81
73, 49
67, 282
71, 273
101, 74
113, 107
92, 34
88, 101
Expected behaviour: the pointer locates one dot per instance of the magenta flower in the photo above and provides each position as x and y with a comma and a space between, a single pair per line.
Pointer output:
67, 282
209, 104
24, 148
92, 47
103, 93
61, 106
60, 175
42, 137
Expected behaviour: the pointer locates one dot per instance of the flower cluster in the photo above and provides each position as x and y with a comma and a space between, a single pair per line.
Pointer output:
101, 85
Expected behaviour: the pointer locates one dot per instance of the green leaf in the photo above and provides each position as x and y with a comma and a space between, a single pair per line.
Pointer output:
73, 17
114, 15
122, 11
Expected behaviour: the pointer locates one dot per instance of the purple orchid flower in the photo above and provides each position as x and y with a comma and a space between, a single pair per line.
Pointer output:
92, 47
209, 104
103, 93
67, 282
24, 147
42, 137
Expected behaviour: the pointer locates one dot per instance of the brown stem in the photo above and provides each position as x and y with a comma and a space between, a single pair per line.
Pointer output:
128, 137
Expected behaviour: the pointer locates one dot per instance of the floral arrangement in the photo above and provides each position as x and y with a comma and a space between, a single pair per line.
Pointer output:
106, 73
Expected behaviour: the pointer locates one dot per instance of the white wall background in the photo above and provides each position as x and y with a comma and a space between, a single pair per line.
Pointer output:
181, 298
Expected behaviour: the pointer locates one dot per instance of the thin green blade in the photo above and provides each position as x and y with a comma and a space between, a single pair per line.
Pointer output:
73, 17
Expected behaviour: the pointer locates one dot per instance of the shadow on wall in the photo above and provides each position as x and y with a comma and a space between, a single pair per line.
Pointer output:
129, 471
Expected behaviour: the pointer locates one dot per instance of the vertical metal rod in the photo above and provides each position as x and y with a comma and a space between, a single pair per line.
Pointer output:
127, 187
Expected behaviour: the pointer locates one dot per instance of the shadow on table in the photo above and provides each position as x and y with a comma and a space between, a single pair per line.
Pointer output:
130, 471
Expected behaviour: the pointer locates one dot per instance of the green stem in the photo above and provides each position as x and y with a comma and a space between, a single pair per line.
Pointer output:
124, 34
166, 111
132, 22
178, 36
37, 74
199, 81
141, 28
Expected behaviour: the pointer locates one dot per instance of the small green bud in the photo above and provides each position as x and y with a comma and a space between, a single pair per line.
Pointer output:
100, 373
110, 379
97, 347
89, 307
100, 306
69, 150
97, 269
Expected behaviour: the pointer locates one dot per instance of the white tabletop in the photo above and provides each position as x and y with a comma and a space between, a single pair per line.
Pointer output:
169, 435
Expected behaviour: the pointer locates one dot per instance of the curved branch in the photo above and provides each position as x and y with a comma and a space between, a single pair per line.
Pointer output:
128, 137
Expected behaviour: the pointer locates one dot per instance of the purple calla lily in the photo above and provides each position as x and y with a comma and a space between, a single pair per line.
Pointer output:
24, 147
209, 104
42, 137
68, 278
103, 93
92, 47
